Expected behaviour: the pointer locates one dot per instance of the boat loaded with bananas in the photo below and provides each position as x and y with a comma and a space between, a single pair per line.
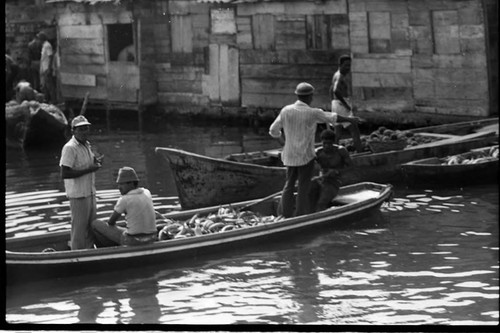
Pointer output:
186, 234
475, 166
203, 181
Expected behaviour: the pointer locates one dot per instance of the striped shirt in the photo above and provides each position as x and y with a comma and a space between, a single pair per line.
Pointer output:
78, 156
299, 122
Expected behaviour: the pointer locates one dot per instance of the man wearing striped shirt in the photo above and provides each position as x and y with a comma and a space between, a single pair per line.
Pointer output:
297, 123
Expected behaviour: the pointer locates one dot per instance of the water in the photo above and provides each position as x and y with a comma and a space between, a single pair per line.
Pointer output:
428, 257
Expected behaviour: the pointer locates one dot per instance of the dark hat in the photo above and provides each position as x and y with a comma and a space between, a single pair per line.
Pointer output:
42, 35
79, 121
126, 174
303, 89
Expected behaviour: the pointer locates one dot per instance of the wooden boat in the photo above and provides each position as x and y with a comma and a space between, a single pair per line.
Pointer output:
203, 181
475, 166
26, 260
33, 124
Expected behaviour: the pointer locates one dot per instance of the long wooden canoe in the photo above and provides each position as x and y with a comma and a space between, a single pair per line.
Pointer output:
203, 181
26, 260
472, 167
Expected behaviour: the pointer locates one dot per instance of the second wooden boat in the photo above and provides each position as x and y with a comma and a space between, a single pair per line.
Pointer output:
473, 167
203, 181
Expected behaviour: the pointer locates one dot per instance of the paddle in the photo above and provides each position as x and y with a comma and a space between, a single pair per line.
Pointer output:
84, 105
269, 197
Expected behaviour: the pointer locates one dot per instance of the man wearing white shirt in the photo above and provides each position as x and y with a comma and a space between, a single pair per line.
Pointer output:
298, 123
78, 166
47, 83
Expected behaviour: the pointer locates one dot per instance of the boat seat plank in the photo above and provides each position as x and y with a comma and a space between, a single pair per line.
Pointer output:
356, 197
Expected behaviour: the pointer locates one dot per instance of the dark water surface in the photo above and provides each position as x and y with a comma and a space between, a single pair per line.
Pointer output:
430, 256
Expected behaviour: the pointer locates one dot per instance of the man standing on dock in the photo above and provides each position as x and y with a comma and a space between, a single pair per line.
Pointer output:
78, 165
298, 122
47, 83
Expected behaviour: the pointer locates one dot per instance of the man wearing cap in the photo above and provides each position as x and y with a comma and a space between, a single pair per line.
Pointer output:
298, 122
137, 205
78, 164
339, 92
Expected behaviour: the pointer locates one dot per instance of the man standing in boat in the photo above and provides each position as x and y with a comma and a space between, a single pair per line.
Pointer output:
137, 205
78, 165
339, 92
298, 122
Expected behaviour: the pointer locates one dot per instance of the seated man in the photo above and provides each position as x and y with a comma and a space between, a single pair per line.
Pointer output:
331, 158
137, 205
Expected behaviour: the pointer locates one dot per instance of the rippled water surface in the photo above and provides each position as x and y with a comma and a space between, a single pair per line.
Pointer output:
429, 256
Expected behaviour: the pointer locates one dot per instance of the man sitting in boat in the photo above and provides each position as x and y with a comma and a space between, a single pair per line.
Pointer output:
331, 158
137, 205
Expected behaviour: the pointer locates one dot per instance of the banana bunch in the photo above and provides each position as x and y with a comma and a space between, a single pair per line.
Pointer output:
473, 158
225, 219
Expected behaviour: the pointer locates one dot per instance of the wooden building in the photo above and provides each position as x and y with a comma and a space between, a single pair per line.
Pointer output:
106, 50
239, 56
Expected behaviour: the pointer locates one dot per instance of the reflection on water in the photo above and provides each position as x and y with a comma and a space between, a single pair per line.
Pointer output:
428, 257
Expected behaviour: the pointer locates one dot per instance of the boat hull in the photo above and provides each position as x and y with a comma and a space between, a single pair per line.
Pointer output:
34, 124
432, 170
202, 181
24, 261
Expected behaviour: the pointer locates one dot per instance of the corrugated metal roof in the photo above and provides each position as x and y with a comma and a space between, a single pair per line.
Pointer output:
231, 1
90, 2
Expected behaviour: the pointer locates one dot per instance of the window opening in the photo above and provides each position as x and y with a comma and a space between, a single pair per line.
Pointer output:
121, 42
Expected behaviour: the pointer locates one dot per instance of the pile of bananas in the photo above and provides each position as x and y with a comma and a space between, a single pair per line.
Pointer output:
473, 158
225, 219
385, 134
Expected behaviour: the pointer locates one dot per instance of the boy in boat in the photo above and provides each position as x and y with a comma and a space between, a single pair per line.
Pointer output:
137, 205
331, 158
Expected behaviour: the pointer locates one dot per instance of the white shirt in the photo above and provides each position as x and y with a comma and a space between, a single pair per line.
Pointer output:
137, 205
45, 57
299, 122
78, 156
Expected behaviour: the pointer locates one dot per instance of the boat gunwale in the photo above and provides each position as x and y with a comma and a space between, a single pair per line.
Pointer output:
180, 152
422, 162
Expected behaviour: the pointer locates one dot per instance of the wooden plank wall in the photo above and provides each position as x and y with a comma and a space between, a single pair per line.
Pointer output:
83, 50
270, 53
284, 43
145, 14
181, 38
425, 55
450, 77
83, 65
381, 68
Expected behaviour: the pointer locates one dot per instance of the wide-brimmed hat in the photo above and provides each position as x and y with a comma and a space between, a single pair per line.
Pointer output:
79, 121
126, 174
304, 89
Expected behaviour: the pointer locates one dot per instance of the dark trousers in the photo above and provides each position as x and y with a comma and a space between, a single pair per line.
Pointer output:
303, 174
322, 194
